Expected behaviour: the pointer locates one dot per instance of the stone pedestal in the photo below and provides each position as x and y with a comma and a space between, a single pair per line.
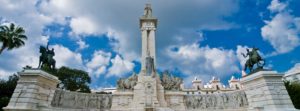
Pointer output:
35, 90
148, 93
265, 91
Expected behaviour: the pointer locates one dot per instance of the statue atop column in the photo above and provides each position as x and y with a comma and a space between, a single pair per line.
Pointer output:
148, 10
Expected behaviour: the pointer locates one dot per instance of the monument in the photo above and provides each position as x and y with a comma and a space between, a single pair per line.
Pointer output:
261, 90
148, 93
254, 62
46, 58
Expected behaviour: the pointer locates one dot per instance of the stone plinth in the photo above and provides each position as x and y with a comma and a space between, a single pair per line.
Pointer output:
35, 90
148, 93
265, 91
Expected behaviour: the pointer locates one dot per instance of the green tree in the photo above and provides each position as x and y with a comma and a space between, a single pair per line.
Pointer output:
293, 88
11, 37
7, 88
71, 79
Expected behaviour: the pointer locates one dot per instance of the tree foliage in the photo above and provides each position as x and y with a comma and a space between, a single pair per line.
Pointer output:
293, 88
71, 79
11, 37
7, 88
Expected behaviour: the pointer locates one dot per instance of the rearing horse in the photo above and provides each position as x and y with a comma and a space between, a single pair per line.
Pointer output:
46, 59
254, 58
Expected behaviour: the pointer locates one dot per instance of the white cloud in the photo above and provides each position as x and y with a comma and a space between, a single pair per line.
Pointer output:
82, 44
120, 67
122, 46
83, 25
4, 75
189, 51
276, 6
98, 63
65, 57
294, 69
283, 30
203, 62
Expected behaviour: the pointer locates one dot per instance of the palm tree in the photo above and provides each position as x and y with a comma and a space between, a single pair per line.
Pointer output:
11, 37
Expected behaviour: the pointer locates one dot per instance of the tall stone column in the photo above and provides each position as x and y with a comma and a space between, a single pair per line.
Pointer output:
35, 90
148, 44
144, 48
265, 91
152, 45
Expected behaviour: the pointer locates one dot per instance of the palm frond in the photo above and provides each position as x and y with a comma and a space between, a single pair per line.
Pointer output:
19, 30
22, 37
12, 36
4, 28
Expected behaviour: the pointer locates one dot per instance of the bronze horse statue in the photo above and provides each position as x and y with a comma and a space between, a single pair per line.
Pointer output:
46, 58
254, 59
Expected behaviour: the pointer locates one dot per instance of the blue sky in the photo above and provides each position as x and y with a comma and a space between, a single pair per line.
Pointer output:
197, 38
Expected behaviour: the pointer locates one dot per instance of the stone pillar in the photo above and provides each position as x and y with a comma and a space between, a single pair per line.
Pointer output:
152, 45
265, 91
144, 48
35, 90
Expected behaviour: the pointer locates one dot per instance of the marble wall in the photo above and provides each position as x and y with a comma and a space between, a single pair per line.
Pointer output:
36, 91
230, 100
66, 99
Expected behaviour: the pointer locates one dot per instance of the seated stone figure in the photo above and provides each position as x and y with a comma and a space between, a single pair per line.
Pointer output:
169, 82
127, 84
